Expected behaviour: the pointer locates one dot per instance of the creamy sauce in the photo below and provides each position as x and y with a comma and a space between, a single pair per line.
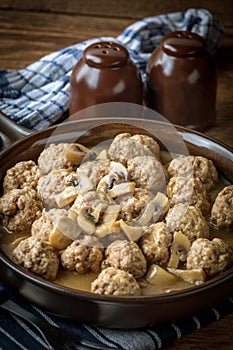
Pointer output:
83, 281
9, 241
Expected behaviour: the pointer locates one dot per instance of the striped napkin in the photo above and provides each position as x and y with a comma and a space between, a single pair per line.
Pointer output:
38, 95
16, 334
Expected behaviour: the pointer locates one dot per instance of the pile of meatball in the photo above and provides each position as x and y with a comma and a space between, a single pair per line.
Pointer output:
86, 211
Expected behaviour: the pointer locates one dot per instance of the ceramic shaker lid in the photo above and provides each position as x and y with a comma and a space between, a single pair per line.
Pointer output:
106, 55
183, 44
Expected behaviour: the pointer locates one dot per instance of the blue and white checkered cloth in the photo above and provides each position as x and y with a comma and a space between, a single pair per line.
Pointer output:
38, 95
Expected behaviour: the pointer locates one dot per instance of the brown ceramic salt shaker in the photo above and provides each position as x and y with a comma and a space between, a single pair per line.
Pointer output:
105, 73
182, 81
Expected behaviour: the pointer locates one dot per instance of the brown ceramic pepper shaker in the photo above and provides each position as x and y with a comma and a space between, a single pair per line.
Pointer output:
105, 73
182, 81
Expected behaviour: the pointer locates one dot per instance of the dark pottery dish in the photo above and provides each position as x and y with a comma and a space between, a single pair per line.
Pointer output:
109, 311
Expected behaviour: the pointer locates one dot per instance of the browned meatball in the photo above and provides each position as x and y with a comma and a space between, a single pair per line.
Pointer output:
52, 184
83, 255
149, 143
37, 256
147, 172
19, 208
60, 156
222, 209
125, 146
187, 220
155, 244
132, 204
42, 227
112, 281
23, 174
212, 256
182, 189
127, 256
196, 166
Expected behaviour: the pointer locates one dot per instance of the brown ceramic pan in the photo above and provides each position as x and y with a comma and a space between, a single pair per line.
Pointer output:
111, 311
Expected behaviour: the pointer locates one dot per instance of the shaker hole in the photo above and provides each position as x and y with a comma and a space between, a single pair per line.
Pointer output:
178, 35
107, 46
97, 46
116, 48
105, 52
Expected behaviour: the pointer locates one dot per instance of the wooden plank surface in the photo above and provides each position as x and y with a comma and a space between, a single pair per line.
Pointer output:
121, 8
130, 9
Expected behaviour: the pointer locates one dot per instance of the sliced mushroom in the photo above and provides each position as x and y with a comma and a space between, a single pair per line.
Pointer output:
86, 221
75, 153
109, 224
120, 169
72, 215
157, 276
195, 276
66, 197
97, 211
155, 208
179, 249
121, 189
107, 182
63, 233
85, 184
79, 181
111, 214
107, 229
58, 240
132, 232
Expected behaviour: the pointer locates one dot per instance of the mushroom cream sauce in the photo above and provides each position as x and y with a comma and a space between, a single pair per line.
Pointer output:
82, 282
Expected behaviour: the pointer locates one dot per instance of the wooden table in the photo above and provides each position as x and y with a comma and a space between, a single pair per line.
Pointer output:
29, 30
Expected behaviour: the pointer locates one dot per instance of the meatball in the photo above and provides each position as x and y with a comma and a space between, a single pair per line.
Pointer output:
125, 146
149, 143
52, 184
133, 204
56, 156
94, 170
19, 208
147, 172
83, 255
222, 209
23, 174
155, 244
126, 256
196, 166
182, 189
37, 256
42, 227
112, 281
187, 220
212, 256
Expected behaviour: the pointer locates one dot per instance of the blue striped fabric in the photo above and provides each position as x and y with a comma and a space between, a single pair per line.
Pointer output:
15, 334
38, 95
